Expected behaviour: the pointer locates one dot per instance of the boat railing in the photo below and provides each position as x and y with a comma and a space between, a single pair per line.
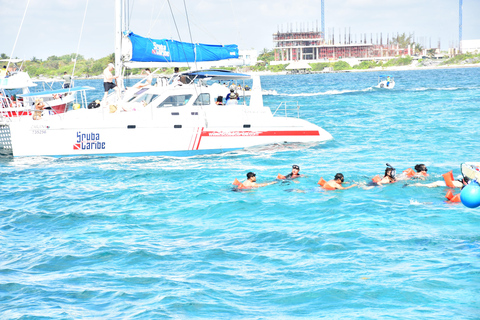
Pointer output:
12, 108
288, 107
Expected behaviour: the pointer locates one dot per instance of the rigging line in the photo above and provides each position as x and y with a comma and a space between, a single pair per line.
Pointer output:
156, 19
79, 40
16, 39
178, 33
236, 22
131, 11
151, 18
190, 32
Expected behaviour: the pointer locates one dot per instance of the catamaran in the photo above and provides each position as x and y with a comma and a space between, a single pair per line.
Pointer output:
178, 118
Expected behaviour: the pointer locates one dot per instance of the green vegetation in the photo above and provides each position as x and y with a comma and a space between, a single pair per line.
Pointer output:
404, 41
341, 65
398, 62
55, 66
463, 58
267, 56
364, 65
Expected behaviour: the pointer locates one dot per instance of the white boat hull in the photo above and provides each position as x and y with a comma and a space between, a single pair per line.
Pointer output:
383, 85
162, 132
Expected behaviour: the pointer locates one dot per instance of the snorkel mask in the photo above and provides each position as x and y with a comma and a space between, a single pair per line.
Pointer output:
393, 173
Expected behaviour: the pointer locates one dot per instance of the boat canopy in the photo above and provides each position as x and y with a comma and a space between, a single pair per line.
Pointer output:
11, 60
217, 75
164, 50
51, 92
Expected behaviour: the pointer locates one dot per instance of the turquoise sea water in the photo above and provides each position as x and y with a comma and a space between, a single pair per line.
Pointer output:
159, 237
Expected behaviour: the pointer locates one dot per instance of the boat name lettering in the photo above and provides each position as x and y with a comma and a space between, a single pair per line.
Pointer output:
88, 141
233, 133
160, 50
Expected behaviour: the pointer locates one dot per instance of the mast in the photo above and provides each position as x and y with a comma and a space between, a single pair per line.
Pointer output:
118, 37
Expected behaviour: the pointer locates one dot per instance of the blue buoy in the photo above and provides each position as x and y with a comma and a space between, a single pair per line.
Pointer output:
470, 195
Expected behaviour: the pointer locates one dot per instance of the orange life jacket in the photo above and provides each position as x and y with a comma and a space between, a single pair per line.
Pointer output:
323, 184
448, 177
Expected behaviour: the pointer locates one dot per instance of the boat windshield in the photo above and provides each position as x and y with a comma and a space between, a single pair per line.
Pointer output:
175, 101
147, 98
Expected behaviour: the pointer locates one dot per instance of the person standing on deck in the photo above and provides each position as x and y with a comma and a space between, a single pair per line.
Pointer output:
108, 83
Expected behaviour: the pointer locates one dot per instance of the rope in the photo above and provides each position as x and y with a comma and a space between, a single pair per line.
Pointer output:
178, 33
152, 24
18, 34
190, 32
79, 40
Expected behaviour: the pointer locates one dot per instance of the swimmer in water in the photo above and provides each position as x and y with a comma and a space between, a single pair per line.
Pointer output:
460, 183
295, 173
389, 177
336, 183
251, 181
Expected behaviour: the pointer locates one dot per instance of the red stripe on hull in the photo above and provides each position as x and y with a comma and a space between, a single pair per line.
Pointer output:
258, 133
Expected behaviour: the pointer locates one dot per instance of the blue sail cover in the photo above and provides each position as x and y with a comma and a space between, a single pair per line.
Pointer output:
163, 50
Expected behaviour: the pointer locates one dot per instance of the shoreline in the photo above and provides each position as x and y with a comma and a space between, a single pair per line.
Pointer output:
271, 73
380, 69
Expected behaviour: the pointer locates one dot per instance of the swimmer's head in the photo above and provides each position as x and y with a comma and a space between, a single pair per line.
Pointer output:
339, 176
295, 169
251, 174
421, 167
390, 171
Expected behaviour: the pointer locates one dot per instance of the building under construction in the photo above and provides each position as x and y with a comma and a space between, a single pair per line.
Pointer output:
311, 45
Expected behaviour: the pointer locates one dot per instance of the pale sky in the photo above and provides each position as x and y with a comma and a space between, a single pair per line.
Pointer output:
53, 27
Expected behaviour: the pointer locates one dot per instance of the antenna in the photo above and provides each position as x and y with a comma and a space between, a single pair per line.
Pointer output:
460, 9
323, 18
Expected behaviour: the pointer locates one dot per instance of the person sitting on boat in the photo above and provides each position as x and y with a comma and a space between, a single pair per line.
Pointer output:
39, 105
247, 88
232, 98
336, 183
108, 78
388, 80
67, 80
3, 72
148, 79
251, 181
219, 101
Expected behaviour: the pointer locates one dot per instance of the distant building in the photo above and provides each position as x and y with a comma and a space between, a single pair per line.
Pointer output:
471, 46
311, 45
248, 57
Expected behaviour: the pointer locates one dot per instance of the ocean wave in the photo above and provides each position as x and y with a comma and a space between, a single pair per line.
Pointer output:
329, 92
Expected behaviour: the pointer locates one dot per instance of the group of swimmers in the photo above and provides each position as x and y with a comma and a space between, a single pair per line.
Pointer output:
338, 180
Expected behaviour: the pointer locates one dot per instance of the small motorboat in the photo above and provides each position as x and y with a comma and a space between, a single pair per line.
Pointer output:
385, 82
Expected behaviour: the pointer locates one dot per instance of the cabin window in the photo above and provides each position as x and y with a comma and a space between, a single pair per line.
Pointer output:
139, 92
147, 98
176, 101
202, 100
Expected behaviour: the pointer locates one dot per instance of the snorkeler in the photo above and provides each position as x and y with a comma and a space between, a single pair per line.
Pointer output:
251, 181
336, 183
389, 176
421, 172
